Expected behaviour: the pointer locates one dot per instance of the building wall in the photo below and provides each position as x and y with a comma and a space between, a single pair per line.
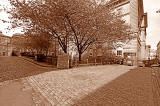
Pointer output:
147, 54
158, 50
134, 15
132, 12
17, 43
152, 54
5, 45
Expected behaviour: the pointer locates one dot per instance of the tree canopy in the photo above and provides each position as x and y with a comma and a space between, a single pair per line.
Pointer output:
83, 22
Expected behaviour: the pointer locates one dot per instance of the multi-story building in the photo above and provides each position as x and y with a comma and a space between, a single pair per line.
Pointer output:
158, 50
18, 41
132, 12
5, 45
148, 51
153, 54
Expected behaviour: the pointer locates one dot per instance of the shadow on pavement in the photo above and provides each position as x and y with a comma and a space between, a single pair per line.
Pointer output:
131, 89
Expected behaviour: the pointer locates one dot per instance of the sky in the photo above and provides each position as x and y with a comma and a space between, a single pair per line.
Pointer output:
153, 30
150, 6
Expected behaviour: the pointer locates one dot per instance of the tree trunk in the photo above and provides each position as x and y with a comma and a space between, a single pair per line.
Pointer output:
62, 45
47, 52
65, 50
80, 57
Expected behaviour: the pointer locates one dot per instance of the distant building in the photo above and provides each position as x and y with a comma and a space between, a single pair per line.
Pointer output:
153, 54
22, 43
158, 50
5, 45
18, 43
148, 51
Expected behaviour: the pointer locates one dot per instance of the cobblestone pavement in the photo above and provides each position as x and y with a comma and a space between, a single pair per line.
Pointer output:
156, 86
15, 67
111, 85
69, 87
131, 89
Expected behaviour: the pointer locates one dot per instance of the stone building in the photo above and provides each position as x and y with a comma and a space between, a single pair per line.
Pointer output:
18, 41
158, 50
132, 12
5, 45
148, 51
153, 54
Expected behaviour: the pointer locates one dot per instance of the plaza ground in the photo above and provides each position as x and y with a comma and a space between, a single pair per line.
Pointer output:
109, 85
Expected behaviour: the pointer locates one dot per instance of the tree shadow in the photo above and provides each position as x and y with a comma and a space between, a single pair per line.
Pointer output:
130, 89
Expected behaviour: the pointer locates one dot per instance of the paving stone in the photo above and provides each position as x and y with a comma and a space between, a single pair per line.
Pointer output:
111, 85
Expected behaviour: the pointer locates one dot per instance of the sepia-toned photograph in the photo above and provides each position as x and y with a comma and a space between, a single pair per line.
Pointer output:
79, 52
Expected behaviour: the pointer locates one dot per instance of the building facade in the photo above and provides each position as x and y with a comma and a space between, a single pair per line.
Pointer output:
132, 12
148, 51
5, 45
158, 50
153, 54
18, 41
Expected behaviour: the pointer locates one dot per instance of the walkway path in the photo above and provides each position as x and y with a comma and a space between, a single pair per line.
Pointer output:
14, 89
11, 94
67, 87
110, 85
156, 86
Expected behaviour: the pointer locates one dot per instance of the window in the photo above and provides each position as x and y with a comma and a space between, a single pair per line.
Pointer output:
119, 53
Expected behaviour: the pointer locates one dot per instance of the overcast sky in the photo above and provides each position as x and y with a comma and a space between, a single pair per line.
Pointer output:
150, 6
153, 30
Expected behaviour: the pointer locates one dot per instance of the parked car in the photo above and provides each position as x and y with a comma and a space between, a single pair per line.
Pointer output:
141, 64
155, 65
129, 61
147, 63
